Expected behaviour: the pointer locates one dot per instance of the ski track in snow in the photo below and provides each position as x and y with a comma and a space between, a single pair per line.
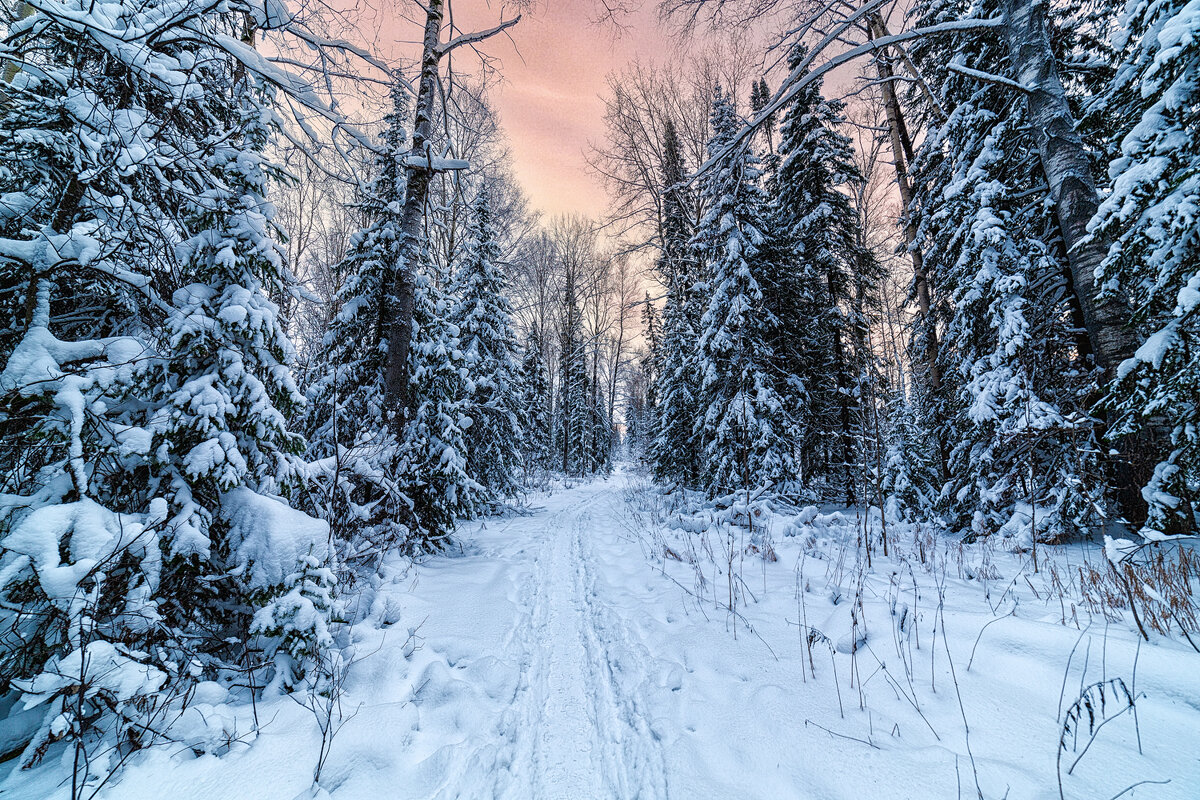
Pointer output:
579, 710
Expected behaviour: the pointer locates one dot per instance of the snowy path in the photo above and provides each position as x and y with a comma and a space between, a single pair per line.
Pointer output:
557, 658
529, 682
586, 727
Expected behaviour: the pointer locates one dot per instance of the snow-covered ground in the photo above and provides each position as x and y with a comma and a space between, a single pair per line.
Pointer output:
560, 655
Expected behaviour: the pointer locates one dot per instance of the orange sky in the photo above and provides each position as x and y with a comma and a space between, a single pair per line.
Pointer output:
549, 102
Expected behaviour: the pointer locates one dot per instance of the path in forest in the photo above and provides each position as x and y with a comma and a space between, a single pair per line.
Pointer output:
579, 708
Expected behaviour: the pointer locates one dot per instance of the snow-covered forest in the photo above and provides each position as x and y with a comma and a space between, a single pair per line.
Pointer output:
853, 451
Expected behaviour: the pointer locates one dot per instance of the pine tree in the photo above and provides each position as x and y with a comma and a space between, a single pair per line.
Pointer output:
433, 454
599, 432
483, 315
1154, 259
643, 405
228, 386
760, 96
573, 396
535, 404
676, 381
744, 426
821, 275
909, 480
350, 438
146, 384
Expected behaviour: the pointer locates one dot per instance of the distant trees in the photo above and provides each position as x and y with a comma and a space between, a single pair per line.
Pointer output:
757, 365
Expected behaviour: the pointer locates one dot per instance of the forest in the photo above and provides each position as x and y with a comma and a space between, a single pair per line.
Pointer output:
851, 450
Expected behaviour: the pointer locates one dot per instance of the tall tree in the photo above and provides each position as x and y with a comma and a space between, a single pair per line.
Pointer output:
676, 381
573, 409
350, 440
743, 427
1022, 463
483, 315
1067, 169
820, 271
1154, 258
414, 245
535, 404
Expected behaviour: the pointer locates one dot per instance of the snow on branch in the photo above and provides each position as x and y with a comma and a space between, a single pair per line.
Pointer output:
436, 164
799, 78
478, 36
988, 77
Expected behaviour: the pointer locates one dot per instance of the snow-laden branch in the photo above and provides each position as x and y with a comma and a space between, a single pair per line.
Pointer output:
296, 89
798, 79
988, 77
436, 164
478, 36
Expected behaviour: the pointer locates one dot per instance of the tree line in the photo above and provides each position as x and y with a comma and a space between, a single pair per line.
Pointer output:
1033, 376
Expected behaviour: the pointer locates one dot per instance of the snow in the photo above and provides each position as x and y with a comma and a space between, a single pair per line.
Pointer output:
107, 671
560, 656
272, 538
439, 164
86, 532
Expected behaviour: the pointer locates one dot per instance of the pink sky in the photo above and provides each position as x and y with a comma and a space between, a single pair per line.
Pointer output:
554, 64
550, 102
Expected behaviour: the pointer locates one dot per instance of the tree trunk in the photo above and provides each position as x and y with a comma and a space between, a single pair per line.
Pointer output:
398, 371
1069, 176
902, 154
1068, 173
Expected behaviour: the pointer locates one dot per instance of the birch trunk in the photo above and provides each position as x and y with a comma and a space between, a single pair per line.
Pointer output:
902, 154
1072, 186
1069, 177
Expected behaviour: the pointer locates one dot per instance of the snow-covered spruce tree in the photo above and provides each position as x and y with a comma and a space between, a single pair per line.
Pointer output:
676, 382
642, 405
483, 315
1151, 218
819, 273
1015, 378
573, 408
350, 442
599, 431
744, 427
222, 452
537, 437
909, 481
126, 477
432, 463
65, 370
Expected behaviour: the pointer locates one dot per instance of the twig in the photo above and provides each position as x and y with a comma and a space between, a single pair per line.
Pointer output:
971, 660
808, 722
1139, 783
